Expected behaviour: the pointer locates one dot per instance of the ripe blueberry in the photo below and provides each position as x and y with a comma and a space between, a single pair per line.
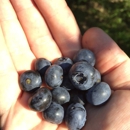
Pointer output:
41, 65
54, 76
54, 114
30, 81
97, 76
67, 83
98, 94
60, 95
41, 100
65, 63
75, 116
85, 55
77, 96
82, 75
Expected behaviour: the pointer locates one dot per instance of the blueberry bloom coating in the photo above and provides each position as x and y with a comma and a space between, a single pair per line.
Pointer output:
65, 63
85, 55
75, 116
98, 94
54, 76
82, 75
54, 114
41, 100
97, 76
30, 80
60, 95
41, 65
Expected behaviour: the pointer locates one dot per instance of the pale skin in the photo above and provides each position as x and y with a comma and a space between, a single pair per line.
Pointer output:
47, 28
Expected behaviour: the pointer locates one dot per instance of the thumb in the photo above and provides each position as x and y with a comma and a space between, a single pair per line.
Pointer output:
111, 61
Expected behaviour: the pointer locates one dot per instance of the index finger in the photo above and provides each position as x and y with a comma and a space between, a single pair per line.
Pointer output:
62, 25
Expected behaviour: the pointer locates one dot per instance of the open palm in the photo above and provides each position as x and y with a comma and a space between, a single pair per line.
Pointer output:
46, 28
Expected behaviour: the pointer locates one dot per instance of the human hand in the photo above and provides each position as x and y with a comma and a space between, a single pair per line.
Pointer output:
29, 38
29, 30
113, 65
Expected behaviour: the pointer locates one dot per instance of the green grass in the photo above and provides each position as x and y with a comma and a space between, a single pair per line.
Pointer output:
113, 16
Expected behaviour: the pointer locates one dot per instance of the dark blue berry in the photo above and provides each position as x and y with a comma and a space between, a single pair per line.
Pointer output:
75, 116
67, 83
82, 75
98, 94
60, 95
85, 55
77, 96
54, 114
41, 65
97, 76
54, 76
65, 63
30, 80
41, 100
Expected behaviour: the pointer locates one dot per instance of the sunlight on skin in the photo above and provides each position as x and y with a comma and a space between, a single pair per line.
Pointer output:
111, 61
63, 21
33, 29
41, 41
113, 64
26, 34
113, 115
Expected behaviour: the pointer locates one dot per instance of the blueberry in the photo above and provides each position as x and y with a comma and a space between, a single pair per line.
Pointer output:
82, 75
30, 80
41, 100
85, 55
54, 76
98, 94
60, 95
77, 96
41, 65
65, 63
97, 76
54, 114
67, 83
75, 116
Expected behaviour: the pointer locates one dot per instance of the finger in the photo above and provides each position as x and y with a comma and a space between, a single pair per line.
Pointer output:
62, 24
62, 127
112, 62
7, 75
114, 115
14, 36
21, 118
39, 37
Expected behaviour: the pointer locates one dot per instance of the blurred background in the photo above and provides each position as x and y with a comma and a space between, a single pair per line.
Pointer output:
113, 16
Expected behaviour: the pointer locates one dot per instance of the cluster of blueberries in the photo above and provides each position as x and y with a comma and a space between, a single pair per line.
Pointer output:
70, 84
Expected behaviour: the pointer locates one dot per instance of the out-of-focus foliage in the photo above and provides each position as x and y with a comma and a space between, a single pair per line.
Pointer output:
113, 16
